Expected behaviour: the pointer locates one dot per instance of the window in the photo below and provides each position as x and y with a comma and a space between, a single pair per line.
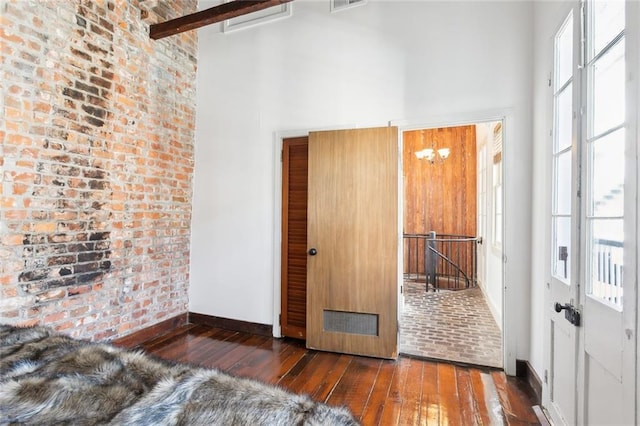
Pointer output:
497, 186
604, 144
482, 191
561, 220
592, 136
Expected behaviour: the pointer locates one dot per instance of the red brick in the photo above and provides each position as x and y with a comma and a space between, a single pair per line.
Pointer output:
12, 239
51, 295
15, 214
95, 163
54, 317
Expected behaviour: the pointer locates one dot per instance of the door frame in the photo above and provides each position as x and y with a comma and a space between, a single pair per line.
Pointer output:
632, 203
510, 309
509, 306
278, 144
632, 30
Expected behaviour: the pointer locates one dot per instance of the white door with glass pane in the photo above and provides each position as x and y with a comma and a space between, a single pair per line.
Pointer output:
561, 360
590, 364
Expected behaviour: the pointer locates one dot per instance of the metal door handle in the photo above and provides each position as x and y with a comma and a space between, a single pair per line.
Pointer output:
571, 314
313, 252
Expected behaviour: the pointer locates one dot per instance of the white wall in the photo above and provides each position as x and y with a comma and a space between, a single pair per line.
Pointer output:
386, 60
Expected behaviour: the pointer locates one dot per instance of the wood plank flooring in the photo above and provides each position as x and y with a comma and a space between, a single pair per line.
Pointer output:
408, 391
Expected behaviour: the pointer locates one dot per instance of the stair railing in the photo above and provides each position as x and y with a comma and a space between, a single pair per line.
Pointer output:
441, 261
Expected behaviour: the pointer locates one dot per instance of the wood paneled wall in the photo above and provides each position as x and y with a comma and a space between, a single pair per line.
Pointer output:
440, 197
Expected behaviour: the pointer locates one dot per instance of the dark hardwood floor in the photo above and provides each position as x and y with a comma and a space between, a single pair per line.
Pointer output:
408, 391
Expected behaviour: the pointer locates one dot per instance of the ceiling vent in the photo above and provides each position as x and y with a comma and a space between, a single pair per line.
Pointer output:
337, 5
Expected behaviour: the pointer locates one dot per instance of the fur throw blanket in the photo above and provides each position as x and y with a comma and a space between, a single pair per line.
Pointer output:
49, 378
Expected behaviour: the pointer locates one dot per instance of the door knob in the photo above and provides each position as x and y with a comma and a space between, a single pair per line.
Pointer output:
313, 252
571, 314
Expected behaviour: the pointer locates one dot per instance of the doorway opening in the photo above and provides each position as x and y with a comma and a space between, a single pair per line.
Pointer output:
452, 243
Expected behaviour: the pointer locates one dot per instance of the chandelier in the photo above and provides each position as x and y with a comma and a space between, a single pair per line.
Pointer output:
433, 155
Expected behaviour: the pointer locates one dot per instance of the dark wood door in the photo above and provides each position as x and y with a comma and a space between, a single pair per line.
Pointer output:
293, 321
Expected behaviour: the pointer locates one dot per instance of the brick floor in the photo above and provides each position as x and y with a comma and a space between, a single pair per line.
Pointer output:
450, 325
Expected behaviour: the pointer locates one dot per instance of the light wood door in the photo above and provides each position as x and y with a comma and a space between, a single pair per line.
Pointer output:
352, 280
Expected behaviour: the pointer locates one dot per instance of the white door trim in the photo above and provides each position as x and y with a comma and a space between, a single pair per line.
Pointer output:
631, 322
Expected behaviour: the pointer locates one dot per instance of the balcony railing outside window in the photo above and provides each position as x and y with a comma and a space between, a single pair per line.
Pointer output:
607, 270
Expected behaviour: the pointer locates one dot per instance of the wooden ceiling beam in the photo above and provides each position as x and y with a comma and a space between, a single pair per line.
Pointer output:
210, 16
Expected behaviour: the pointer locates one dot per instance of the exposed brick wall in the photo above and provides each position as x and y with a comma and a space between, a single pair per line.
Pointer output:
97, 131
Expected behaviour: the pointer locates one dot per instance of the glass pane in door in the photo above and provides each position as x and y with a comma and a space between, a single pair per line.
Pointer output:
605, 220
564, 53
607, 167
562, 248
562, 184
608, 22
564, 119
562, 217
606, 251
605, 151
608, 90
